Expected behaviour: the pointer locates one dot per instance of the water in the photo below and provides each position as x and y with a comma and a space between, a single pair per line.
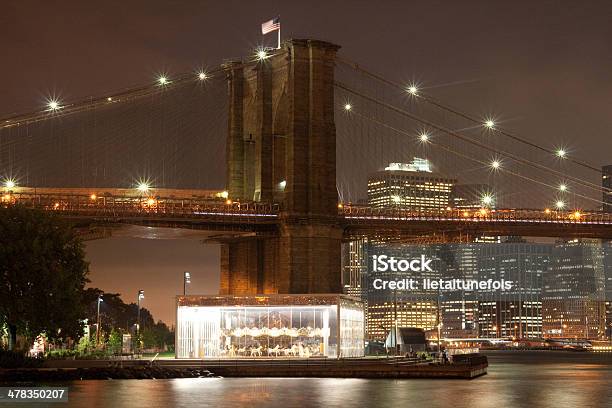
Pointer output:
534, 379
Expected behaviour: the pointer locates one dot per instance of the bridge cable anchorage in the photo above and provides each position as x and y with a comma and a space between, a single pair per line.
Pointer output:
457, 112
409, 134
464, 138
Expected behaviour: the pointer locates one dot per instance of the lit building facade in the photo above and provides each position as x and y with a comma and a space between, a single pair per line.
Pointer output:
354, 266
573, 298
412, 186
606, 184
462, 313
386, 308
459, 308
313, 325
516, 312
607, 248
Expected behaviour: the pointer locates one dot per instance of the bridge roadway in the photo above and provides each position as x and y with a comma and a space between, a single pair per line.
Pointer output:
209, 210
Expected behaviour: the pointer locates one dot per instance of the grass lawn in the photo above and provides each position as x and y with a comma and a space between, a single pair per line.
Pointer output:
164, 354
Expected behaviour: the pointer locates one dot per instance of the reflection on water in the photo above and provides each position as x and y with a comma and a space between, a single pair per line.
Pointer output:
514, 380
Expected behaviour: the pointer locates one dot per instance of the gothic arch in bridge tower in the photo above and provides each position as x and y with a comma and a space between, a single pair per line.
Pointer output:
280, 129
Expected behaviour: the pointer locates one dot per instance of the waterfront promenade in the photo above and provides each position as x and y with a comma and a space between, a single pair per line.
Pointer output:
470, 366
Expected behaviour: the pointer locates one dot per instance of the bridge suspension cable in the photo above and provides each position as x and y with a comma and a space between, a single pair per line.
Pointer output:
430, 100
354, 111
464, 138
58, 109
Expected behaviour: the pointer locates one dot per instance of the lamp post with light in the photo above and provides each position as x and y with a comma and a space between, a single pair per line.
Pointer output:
100, 300
140, 297
186, 281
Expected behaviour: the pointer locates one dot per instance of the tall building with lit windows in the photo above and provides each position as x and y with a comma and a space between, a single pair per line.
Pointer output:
573, 297
354, 266
412, 186
607, 250
387, 308
459, 308
518, 311
606, 184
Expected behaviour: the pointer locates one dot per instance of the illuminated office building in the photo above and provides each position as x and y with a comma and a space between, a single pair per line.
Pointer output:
456, 310
606, 184
354, 266
412, 186
515, 312
573, 298
354, 270
459, 308
386, 308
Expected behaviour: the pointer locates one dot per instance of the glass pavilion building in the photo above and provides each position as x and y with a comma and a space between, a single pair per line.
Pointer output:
274, 326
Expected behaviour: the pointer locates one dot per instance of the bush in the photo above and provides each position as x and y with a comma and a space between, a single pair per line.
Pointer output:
14, 359
62, 354
424, 355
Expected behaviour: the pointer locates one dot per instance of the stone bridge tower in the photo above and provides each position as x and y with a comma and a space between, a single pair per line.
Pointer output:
281, 148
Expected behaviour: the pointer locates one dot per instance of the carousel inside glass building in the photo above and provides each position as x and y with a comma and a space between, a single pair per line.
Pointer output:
272, 326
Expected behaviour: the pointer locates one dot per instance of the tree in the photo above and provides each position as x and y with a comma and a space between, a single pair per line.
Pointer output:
157, 336
113, 311
42, 275
116, 315
115, 342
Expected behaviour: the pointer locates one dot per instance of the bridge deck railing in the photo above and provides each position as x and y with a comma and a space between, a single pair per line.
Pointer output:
113, 205
140, 205
369, 214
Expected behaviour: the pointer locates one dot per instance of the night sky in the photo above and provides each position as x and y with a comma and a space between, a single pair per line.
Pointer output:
544, 67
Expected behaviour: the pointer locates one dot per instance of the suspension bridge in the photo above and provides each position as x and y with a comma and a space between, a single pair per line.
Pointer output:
275, 150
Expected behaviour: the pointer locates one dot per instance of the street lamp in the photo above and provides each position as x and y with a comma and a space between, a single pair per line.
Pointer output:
100, 300
140, 297
186, 280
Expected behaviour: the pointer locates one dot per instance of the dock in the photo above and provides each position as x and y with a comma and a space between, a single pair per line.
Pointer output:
467, 367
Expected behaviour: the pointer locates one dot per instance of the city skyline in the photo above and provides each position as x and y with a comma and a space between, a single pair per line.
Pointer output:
321, 203
425, 64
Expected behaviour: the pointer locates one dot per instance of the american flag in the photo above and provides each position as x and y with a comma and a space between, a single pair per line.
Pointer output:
270, 25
